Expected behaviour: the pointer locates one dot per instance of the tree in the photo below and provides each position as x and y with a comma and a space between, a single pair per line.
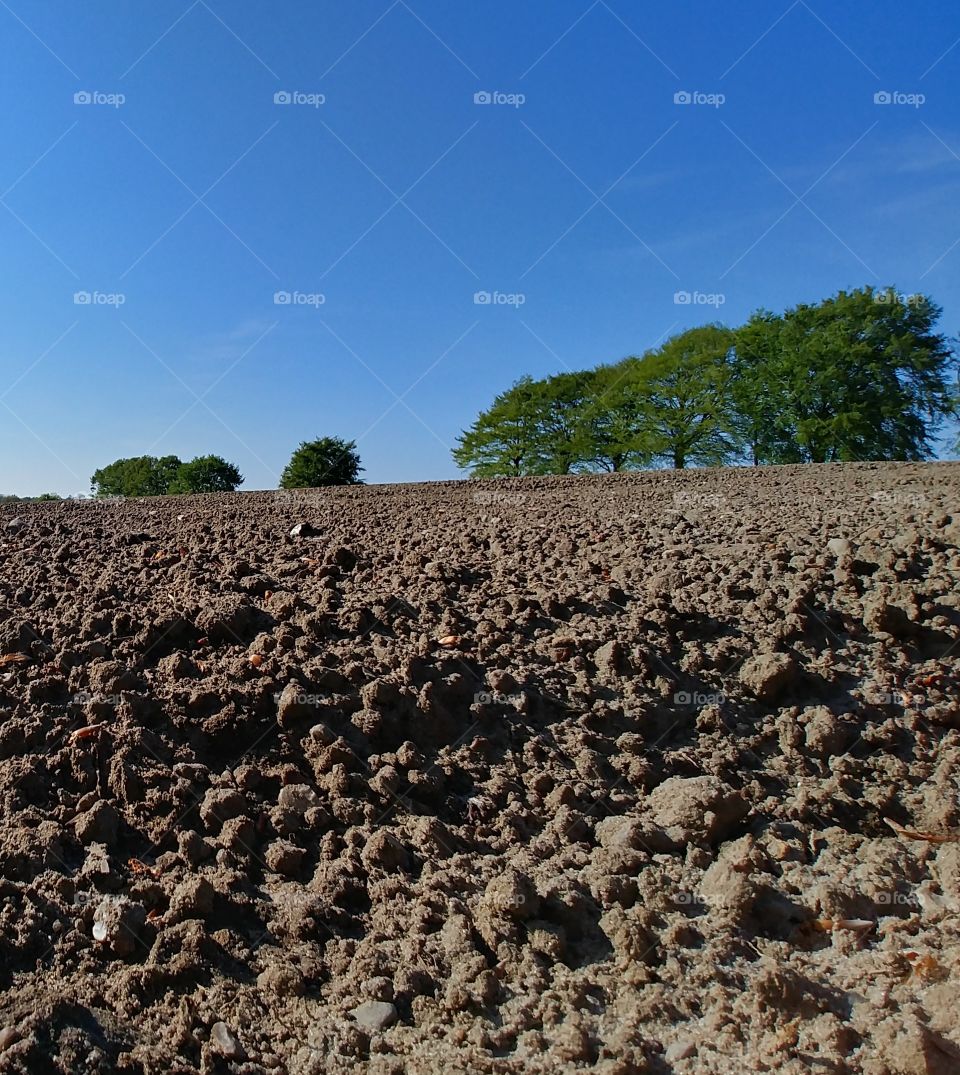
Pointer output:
206, 474
562, 436
326, 461
142, 475
686, 387
861, 375
505, 440
614, 418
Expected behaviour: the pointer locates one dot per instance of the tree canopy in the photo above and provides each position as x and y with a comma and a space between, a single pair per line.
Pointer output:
862, 375
325, 461
146, 475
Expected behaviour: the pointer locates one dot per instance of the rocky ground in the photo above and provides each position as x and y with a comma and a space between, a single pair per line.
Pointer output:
646, 773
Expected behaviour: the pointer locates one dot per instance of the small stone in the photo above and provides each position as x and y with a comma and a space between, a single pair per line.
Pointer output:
9, 1035
117, 922
298, 798
15, 524
304, 530
292, 704
226, 1042
680, 1050
839, 546
374, 1015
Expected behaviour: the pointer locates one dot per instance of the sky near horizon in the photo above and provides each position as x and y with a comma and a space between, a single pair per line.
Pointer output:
227, 228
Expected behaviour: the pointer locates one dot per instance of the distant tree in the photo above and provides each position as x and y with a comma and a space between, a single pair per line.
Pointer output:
326, 461
562, 434
757, 393
861, 375
614, 418
506, 439
142, 475
49, 496
206, 474
686, 389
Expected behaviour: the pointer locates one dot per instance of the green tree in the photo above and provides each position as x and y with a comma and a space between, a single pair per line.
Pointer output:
206, 474
861, 375
506, 439
614, 418
142, 475
325, 461
562, 433
686, 388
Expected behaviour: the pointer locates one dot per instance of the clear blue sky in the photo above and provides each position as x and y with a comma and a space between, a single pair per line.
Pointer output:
596, 199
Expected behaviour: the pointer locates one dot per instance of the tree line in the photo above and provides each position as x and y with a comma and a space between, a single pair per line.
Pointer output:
325, 461
861, 375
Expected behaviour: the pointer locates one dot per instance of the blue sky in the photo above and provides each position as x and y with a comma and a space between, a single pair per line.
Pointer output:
182, 198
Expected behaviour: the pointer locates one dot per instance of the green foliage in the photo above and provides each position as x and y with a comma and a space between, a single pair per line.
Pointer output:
326, 461
145, 475
686, 388
505, 439
206, 474
861, 375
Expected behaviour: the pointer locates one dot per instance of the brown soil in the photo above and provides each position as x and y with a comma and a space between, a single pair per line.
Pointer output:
534, 776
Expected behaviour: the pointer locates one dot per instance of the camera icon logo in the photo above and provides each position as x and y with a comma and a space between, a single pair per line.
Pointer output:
483, 97
682, 298
683, 97
282, 298
82, 97
82, 298
883, 97
283, 97
482, 298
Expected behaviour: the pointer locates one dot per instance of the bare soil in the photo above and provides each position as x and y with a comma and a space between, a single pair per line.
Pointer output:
642, 773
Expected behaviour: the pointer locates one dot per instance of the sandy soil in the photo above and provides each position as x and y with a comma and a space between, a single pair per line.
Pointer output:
648, 773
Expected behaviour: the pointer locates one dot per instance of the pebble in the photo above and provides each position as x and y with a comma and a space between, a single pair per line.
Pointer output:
226, 1042
375, 1015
